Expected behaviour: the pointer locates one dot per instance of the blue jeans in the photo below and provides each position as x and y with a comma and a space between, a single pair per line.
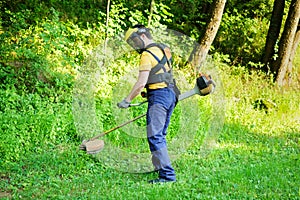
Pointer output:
161, 103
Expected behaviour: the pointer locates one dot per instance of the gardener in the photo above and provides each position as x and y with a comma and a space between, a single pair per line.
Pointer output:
156, 76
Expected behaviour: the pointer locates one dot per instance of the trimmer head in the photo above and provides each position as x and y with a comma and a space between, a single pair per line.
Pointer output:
92, 146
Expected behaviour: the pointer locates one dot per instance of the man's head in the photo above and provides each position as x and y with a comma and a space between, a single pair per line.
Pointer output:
138, 37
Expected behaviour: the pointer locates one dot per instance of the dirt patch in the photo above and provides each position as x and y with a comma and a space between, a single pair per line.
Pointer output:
5, 195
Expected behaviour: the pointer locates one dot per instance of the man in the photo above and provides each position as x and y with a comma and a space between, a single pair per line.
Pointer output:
155, 75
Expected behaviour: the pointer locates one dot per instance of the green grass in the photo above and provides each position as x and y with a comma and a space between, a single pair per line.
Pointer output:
256, 157
259, 168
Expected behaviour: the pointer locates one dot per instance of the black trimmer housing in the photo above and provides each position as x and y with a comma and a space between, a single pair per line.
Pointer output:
205, 84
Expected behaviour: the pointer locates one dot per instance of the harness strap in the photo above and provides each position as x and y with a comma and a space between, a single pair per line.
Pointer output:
166, 76
161, 47
161, 63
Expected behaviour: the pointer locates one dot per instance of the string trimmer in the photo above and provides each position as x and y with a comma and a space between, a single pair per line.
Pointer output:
204, 86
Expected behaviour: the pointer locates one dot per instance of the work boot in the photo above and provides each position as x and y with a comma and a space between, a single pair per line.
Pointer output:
161, 180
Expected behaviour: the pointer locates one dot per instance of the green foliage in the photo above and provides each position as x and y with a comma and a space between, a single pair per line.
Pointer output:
29, 123
248, 20
190, 16
116, 23
17, 15
241, 38
17, 20
46, 54
162, 14
252, 9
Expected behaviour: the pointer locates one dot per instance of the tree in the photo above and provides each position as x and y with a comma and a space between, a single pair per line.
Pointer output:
151, 12
273, 33
280, 66
106, 25
292, 56
199, 54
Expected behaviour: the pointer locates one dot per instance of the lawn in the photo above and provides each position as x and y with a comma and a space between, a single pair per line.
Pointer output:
256, 156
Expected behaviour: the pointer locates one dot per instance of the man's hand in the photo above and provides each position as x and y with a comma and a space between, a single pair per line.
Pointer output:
123, 104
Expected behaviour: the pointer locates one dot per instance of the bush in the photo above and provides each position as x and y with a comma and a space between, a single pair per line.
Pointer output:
241, 38
30, 123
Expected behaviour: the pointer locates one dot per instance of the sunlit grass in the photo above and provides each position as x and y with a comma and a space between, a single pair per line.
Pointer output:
256, 156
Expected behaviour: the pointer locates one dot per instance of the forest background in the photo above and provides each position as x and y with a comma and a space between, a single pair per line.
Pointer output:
43, 45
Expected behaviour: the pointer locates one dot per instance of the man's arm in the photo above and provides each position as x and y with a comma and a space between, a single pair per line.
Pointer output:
138, 86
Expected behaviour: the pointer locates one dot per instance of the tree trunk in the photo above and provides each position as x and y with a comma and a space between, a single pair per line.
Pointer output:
273, 33
280, 66
107, 23
152, 4
292, 56
201, 51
